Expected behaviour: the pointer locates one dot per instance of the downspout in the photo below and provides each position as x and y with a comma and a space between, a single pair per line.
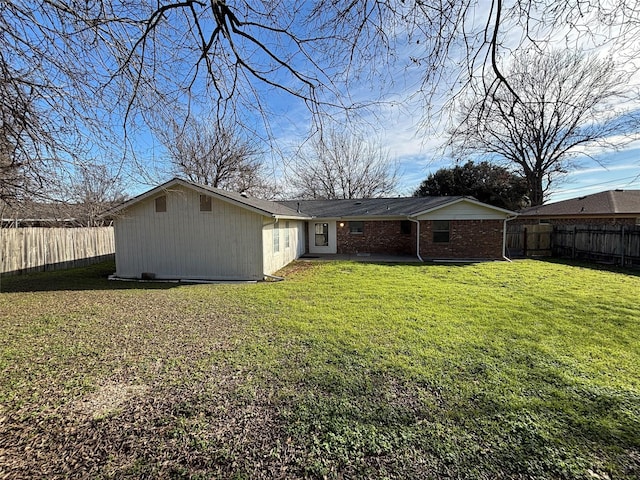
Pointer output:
417, 237
504, 237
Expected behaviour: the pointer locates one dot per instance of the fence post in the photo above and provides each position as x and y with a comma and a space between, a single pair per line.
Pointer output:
573, 243
622, 245
524, 242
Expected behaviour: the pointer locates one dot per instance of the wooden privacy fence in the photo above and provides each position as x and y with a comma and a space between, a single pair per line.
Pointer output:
611, 244
529, 240
38, 249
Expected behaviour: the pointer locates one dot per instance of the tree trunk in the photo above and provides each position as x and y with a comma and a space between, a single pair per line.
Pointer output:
536, 190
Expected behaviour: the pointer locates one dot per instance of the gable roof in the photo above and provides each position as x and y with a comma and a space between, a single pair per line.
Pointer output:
263, 207
611, 202
379, 207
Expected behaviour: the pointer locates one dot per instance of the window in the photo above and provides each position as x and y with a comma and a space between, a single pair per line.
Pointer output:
286, 235
321, 234
161, 204
405, 227
205, 203
356, 227
276, 238
441, 231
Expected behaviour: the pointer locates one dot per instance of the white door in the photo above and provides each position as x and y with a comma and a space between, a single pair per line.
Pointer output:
322, 236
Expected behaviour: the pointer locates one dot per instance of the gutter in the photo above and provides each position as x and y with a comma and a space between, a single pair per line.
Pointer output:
417, 237
504, 237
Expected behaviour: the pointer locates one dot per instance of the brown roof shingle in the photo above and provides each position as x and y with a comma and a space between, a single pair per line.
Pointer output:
611, 202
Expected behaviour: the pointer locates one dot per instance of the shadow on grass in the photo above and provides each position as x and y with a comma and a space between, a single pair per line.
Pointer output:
465, 427
94, 277
592, 265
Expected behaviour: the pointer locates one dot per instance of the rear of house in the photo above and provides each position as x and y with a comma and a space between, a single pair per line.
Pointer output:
427, 227
182, 230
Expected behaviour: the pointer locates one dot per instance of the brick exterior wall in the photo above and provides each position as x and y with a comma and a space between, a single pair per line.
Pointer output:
383, 236
480, 239
611, 221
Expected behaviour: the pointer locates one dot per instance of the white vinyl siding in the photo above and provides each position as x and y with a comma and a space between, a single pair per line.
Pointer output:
276, 238
464, 211
287, 236
182, 243
275, 261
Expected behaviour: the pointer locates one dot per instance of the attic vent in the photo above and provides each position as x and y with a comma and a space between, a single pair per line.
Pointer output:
358, 203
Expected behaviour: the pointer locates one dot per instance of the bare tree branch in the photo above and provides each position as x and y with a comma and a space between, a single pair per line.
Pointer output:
339, 165
564, 101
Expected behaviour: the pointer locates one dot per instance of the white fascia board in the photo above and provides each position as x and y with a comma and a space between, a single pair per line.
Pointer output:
327, 219
372, 218
291, 217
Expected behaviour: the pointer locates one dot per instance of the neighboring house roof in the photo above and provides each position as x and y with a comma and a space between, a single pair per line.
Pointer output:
263, 207
609, 203
48, 214
378, 207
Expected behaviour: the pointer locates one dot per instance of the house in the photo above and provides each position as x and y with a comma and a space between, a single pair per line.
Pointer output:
182, 230
603, 227
613, 207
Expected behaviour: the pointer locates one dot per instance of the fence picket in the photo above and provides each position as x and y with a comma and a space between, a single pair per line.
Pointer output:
38, 249
619, 245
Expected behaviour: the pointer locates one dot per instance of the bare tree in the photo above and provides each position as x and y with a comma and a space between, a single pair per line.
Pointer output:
22, 137
340, 165
93, 190
97, 69
555, 104
215, 154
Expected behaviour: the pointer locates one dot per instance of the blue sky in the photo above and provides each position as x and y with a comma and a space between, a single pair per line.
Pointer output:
74, 70
401, 129
416, 148
401, 124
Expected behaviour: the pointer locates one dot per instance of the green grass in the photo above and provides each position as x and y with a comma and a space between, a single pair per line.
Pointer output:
345, 370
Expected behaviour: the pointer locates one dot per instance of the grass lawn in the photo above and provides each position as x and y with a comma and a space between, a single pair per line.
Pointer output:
345, 370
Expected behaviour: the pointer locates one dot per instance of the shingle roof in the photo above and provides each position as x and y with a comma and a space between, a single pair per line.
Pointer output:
368, 207
304, 209
611, 202
267, 206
